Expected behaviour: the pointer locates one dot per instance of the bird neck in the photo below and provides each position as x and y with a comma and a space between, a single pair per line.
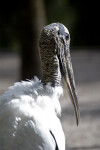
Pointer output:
51, 70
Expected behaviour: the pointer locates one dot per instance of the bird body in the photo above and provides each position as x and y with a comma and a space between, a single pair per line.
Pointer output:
28, 115
30, 110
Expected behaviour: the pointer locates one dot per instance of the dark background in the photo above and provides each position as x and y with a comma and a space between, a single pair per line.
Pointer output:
21, 22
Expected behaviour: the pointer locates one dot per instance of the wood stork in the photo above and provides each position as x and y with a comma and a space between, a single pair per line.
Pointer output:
29, 110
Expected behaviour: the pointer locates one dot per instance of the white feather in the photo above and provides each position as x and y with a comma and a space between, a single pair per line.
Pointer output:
28, 112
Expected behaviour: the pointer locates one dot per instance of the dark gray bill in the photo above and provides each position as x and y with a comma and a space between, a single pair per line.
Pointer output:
67, 73
70, 84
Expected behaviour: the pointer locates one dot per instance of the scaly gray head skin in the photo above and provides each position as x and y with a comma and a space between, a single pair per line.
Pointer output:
56, 61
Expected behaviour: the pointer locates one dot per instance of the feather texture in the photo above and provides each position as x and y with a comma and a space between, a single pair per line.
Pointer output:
29, 110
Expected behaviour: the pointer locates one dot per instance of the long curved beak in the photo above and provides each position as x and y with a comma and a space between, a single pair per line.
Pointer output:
70, 83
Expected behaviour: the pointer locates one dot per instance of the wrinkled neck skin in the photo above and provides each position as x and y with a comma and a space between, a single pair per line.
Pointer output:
50, 68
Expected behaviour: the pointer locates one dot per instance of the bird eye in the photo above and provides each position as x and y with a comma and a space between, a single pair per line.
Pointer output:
58, 32
67, 36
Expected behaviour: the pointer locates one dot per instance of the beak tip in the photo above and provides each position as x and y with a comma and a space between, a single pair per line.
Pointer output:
77, 123
78, 118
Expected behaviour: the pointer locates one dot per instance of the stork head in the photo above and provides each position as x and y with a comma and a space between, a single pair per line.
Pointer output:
55, 54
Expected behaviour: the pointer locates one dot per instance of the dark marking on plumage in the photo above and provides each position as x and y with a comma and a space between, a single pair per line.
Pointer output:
56, 145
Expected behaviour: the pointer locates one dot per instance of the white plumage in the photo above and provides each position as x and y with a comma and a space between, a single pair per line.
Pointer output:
28, 113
